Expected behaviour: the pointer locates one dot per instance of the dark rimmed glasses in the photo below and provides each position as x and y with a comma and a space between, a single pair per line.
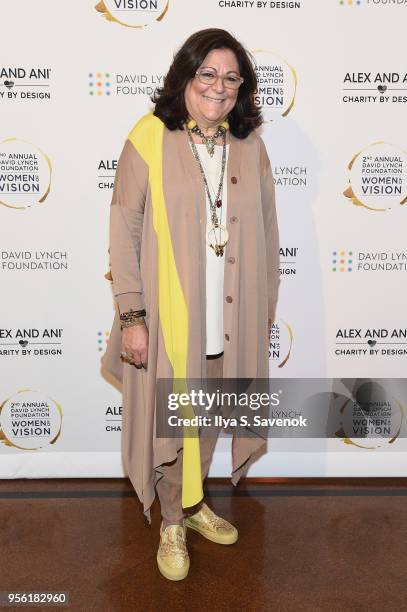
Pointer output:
209, 76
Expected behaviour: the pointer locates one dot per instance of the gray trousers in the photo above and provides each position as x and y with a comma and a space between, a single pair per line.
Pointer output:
169, 487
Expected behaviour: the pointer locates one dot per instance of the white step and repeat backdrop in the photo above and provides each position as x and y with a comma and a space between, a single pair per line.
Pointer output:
74, 79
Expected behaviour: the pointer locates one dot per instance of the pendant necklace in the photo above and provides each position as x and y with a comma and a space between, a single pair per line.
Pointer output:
208, 141
216, 235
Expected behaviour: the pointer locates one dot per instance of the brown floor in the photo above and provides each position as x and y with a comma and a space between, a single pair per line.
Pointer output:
317, 545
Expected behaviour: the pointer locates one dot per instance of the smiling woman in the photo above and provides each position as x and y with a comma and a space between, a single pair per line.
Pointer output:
209, 97
218, 53
194, 256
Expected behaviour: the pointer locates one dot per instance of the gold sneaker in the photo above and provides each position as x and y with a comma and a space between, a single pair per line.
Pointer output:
211, 526
172, 555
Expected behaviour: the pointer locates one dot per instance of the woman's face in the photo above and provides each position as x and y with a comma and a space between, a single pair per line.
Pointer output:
209, 105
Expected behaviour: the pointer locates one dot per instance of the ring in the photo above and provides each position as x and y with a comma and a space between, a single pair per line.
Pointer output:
129, 359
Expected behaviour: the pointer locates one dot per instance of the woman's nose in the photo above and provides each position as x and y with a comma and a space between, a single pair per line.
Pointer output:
219, 84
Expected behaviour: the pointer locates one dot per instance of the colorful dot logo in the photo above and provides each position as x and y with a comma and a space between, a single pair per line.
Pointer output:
99, 83
342, 261
350, 2
102, 339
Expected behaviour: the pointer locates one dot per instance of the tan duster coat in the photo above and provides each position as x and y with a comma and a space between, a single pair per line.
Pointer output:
251, 280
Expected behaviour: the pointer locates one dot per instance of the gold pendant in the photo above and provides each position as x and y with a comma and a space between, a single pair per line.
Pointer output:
218, 241
210, 145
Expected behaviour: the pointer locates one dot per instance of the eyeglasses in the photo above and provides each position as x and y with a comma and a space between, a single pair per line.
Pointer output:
209, 76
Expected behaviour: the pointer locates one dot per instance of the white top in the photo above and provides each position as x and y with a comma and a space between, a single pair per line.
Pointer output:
214, 265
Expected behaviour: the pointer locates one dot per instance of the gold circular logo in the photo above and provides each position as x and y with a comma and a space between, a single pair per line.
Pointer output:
133, 13
25, 174
378, 177
276, 84
29, 420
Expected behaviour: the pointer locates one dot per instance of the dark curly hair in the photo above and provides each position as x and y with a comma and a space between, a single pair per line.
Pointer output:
169, 99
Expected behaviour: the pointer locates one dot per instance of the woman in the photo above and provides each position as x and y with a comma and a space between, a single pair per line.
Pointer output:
194, 258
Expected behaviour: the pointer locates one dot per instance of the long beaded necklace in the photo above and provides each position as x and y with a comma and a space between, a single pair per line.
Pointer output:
216, 234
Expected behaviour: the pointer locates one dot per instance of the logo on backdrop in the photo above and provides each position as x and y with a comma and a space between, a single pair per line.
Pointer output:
374, 88
123, 84
342, 261
106, 173
259, 4
290, 176
288, 261
368, 261
113, 418
133, 13
50, 261
370, 342
370, 3
102, 340
29, 420
25, 174
374, 420
21, 342
99, 83
277, 84
378, 178
18, 83
280, 344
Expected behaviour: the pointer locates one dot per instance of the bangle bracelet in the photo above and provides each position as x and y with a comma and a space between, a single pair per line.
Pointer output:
131, 315
136, 321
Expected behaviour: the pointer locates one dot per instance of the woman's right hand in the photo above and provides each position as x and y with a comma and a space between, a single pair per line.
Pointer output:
135, 344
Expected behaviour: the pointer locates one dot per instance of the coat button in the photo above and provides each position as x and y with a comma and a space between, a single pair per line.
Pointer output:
234, 180
229, 299
233, 219
226, 336
231, 260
